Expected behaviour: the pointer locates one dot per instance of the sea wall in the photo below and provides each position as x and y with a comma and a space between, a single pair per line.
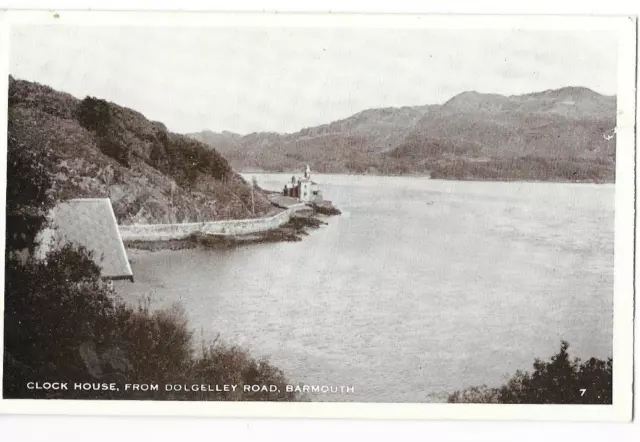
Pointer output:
164, 232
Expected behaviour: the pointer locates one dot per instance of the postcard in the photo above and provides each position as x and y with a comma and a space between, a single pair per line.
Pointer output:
318, 215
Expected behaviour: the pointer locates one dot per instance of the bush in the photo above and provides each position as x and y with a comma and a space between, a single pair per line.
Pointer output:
557, 381
63, 323
28, 185
97, 116
188, 158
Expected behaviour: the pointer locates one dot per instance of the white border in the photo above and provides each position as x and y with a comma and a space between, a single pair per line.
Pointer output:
624, 227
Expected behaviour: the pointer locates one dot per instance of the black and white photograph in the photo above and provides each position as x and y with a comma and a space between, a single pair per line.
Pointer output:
319, 210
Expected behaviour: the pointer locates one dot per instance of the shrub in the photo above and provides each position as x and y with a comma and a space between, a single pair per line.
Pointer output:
188, 158
475, 395
63, 323
94, 113
28, 185
560, 380
97, 116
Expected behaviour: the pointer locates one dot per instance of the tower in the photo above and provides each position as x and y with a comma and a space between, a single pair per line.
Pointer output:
305, 186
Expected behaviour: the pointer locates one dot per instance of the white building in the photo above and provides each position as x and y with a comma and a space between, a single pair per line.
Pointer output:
305, 189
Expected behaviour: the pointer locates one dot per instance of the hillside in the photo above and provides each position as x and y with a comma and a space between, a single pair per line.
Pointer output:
551, 135
94, 148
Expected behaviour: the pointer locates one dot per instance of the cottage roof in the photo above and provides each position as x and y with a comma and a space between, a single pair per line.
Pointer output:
90, 222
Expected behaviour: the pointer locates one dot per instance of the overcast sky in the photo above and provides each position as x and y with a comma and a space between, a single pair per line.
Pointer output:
285, 79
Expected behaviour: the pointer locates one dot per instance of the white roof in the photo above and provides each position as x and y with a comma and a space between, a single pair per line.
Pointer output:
90, 222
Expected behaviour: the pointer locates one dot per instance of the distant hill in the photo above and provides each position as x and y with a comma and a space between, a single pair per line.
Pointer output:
95, 148
552, 135
224, 139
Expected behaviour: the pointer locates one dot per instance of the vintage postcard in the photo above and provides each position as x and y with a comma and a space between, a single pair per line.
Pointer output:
308, 215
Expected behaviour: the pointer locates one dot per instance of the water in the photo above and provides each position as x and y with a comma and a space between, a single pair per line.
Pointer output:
420, 288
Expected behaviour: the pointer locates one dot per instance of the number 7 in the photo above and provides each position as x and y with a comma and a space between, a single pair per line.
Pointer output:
583, 391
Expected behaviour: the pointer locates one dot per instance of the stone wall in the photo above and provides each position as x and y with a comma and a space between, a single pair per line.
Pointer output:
163, 232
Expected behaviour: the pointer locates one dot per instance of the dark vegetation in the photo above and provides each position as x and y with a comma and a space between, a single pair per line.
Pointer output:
62, 322
29, 186
179, 157
95, 148
561, 380
557, 135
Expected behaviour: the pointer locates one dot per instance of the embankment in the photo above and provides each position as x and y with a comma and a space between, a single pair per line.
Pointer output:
225, 228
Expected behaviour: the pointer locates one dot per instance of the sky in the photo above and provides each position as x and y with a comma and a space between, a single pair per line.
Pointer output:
284, 79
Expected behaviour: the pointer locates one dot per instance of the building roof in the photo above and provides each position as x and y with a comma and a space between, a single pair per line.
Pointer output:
282, 201
90, 222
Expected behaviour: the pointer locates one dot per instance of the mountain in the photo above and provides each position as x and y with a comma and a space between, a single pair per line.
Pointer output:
213, 138
95, 148
551, 135
333, 147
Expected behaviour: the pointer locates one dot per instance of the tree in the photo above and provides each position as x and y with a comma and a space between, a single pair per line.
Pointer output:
97, 116
28, 185
561, 380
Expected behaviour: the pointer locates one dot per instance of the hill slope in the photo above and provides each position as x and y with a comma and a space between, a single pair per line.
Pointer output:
551, 135
95, 148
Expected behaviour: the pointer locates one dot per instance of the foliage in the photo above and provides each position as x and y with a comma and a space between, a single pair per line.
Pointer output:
476, 395
96, 115
184, 159
63, 323
28, 198
188, 159
560, 380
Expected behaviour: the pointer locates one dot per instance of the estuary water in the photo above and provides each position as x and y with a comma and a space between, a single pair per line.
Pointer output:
421, 287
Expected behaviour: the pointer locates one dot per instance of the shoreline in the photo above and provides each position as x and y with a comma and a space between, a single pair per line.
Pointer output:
428, 176
293, 231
